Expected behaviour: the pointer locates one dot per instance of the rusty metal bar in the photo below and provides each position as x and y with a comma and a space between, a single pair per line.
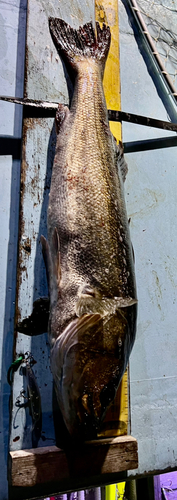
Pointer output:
33, 108
141, 120
45, 109
12, 146
149, 144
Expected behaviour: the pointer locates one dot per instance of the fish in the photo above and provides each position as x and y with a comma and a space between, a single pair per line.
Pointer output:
88, 254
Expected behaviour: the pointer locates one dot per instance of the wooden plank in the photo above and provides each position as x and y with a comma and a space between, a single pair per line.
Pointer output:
51, 464
44, 79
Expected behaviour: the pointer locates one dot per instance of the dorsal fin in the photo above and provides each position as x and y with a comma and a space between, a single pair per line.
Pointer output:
119, 157
121, 161
56, 255
52, 262
46, 256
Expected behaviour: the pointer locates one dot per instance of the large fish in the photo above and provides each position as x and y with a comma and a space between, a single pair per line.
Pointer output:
89, 259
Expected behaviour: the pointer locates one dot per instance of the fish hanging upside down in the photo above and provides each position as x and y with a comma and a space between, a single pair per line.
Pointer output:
89, 260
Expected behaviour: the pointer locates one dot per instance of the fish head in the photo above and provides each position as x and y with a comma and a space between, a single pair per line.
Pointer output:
87, 363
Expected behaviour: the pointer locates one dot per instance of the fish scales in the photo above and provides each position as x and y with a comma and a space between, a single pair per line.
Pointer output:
89, 189
89, 257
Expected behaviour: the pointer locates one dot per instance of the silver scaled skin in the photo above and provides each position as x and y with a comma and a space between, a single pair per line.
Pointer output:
93, 302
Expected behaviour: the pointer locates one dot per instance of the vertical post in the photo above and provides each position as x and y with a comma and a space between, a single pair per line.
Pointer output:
157, 488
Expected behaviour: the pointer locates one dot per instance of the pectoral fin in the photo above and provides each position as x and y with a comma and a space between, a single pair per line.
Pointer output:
125, 301
52, 260
61, 115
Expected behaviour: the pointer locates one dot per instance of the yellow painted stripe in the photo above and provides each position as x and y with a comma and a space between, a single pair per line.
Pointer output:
120, 490
115, 491
110, 492
107, 11
116, 422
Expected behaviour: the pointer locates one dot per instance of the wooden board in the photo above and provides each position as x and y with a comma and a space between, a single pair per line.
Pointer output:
51, 464
44, 79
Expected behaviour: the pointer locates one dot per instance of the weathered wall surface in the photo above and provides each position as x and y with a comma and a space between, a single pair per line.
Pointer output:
151, 202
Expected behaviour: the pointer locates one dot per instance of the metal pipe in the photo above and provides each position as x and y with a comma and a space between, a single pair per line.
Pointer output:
42, 109
149, 144
134, 6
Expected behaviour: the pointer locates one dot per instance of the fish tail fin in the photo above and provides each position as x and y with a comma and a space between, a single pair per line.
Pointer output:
74, 45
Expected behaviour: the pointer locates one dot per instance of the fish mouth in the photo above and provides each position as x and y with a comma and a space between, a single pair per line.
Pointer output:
93, 360
91, 416
88, 422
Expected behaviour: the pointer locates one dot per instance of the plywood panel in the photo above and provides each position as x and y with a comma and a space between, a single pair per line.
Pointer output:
37, 155
44, 79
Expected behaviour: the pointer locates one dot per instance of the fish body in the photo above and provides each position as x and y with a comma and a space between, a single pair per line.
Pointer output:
89, 259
